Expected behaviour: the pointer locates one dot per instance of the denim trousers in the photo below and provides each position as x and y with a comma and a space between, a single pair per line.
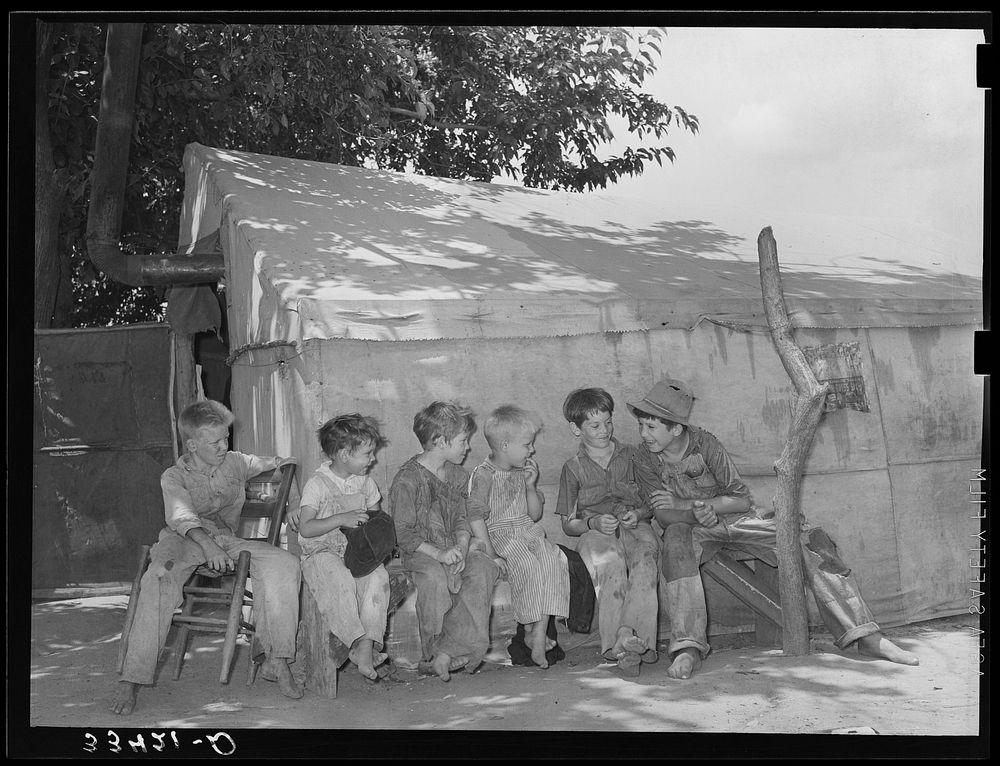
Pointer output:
352, 607
624, 572
275, 578
686, 547
456, 624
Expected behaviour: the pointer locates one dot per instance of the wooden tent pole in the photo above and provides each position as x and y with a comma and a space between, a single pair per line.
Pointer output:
185, 373
808, 409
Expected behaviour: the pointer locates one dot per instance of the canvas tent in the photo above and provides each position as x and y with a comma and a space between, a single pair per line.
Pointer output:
357, 290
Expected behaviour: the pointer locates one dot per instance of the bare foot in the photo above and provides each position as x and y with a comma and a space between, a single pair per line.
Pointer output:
628, 641
877, 645
286, 684
538, 646
441, 664
124, 699
629, 665
686, 661
361, 655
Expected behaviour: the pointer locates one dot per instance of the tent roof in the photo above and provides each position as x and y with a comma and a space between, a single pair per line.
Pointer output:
378, 255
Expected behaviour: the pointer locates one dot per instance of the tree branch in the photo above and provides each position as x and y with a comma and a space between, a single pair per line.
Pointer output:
805, 418
437, 124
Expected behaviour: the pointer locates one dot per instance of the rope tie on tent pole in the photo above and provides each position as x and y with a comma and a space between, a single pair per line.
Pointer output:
281, 363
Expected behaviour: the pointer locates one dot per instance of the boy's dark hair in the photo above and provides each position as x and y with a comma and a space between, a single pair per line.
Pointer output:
583, 402
444, 419
349, 432
207, 413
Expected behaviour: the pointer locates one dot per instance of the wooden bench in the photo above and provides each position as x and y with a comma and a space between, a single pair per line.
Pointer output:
755, 586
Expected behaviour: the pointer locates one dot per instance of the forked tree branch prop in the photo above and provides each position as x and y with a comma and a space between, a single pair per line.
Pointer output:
806, 414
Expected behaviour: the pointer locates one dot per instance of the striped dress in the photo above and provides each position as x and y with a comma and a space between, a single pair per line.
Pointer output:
537, 569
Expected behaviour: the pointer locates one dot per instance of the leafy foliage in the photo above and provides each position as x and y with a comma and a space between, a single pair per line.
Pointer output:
471, 103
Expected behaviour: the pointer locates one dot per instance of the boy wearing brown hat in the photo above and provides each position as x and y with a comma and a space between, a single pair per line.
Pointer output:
703, 505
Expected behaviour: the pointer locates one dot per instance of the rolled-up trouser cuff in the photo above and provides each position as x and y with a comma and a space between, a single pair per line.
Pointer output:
854, 634
688, 643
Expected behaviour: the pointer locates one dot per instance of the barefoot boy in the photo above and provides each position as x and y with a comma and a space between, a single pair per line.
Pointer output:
703, 505
599, 502
428, 504
338, 497
504, 508
203, 497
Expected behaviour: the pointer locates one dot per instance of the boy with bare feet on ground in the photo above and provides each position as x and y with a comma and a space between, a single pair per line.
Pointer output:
203, 496
454, 579
338, 497
504, 508
703, 505
599, 502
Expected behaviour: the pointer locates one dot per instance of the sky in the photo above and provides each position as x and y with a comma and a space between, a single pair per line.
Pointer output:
858, 122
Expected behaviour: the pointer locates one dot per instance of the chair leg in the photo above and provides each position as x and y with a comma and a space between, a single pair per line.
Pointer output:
183, 631
133, 604
253, 665
256, 656
235, 616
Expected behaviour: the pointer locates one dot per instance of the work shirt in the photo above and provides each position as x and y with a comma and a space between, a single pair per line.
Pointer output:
211, 499
586, 489
426, 509
705, 471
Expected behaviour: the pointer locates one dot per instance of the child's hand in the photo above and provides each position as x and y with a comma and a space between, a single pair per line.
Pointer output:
292, 517
217, 559
352, 519
606, 524
452, 555
530, 472
705, 514
665, 500
502, 565
629, 520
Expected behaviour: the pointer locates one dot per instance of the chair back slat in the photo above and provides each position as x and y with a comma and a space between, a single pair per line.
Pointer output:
274, 506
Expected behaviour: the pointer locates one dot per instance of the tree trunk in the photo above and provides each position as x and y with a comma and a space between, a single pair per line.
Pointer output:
109, 174
50, 188
805, 418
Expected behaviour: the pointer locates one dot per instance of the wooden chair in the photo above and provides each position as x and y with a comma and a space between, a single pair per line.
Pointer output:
267, 498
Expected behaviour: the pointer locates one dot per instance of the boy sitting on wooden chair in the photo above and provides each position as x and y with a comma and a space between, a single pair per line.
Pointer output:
203, 495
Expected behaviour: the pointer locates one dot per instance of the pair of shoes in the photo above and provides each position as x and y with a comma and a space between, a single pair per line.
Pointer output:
426, 668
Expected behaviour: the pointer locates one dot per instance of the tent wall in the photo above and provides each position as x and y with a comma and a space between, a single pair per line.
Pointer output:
890, 485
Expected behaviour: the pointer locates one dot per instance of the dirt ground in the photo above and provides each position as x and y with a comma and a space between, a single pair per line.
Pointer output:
739, 690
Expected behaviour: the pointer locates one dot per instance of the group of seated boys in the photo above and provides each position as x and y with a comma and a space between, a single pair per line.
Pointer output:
664, 507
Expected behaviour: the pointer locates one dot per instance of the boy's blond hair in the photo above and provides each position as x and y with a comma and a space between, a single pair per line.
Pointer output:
206, 413
507, 421
444, 419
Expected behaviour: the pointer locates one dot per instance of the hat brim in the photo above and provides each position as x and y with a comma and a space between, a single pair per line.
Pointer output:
648, 408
